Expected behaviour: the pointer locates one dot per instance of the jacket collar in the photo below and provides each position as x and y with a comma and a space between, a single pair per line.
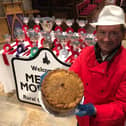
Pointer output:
97, 65
109, 57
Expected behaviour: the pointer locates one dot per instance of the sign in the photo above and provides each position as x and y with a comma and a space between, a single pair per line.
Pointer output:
27, 74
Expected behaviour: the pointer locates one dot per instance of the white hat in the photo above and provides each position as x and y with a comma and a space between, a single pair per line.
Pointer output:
110, 15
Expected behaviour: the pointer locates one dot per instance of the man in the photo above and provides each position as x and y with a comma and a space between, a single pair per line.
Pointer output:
102, 69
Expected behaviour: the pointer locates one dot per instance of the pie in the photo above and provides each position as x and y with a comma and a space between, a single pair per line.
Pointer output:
62, 90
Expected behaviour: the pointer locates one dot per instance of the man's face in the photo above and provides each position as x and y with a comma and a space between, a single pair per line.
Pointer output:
109, 37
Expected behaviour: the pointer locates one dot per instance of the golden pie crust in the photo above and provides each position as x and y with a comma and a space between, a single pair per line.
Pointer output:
62, 90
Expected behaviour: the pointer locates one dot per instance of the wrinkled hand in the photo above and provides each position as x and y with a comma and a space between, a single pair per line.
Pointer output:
85, 109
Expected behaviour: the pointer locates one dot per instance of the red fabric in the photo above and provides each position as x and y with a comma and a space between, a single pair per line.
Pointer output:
88, 9
104, 86
6, 62
83, 4
97, 1
6, 48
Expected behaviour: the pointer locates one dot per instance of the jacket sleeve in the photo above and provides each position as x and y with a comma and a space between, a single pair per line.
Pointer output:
115, 110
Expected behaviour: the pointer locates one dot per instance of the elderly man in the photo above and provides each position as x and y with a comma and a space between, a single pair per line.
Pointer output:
102, 69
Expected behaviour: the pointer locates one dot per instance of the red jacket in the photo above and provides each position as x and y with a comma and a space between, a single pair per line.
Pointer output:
104, 86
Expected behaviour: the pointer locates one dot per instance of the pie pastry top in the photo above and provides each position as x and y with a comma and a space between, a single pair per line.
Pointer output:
62, 90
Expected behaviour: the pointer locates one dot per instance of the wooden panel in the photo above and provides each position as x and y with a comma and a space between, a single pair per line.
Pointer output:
12, 8
3, 28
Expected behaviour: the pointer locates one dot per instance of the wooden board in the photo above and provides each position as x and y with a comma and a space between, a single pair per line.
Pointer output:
3, 28
12, 8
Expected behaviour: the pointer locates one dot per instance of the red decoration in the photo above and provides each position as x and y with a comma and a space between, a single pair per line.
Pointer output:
68, 30
94, 32
72, 57
42, 40
30, 43
6, 48
81, 30
27, 53
36, 28
57, 47
58, 28
25, 28
5, 59
17, 41
82, 44
69, 46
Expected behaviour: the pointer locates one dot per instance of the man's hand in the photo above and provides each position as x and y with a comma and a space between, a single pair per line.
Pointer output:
85, 109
